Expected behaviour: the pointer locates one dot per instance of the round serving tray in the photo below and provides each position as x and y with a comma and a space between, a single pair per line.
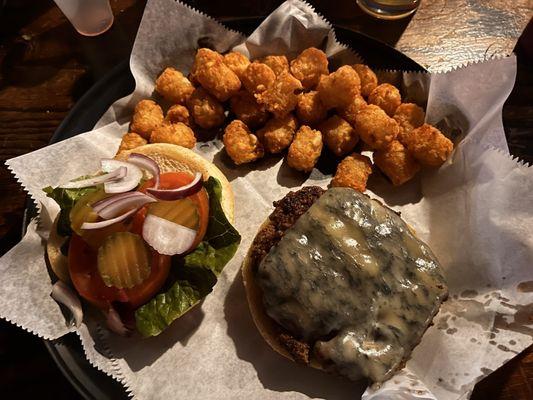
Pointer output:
67, 351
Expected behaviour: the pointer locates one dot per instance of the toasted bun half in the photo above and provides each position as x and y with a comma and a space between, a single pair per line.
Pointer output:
170, 158
268, 328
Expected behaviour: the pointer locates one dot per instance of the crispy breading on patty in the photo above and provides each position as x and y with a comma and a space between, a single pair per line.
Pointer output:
299, 350
286, 213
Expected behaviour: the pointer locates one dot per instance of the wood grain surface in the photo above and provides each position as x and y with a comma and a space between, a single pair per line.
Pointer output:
45, 67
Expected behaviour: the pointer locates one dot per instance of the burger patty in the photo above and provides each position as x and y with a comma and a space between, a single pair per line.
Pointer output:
286, 213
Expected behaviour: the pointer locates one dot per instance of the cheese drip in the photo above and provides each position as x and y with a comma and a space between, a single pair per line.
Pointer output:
351, 279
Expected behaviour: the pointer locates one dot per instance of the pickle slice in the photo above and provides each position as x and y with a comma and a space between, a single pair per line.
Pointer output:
124, 260
183, 212
83, 212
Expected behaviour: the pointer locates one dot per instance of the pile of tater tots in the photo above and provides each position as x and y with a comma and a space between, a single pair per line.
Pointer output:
297, 107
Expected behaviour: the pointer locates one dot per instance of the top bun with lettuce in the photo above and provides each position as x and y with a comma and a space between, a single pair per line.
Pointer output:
144, 239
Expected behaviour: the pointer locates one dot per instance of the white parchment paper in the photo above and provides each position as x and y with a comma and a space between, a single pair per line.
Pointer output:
475, 212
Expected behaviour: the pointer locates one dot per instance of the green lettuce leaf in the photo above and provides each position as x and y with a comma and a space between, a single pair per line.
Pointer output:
194, 275
66, 198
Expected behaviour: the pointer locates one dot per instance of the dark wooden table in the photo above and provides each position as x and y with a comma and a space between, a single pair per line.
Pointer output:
45, 67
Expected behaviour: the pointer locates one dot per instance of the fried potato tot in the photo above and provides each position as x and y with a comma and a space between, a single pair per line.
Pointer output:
428, 145
338, 135
130, 141
375, 127
280, 98
246, 108
387, 97
409, 116
305, 149
353, 172
278, 133
369, 80
179, 113
147, 116
350, 111
214, 75
241, 145
339, 88
310, 109
206, 111
396, 163
237, 62
173, 86
278, 64
258, 77
177, 133
309, 66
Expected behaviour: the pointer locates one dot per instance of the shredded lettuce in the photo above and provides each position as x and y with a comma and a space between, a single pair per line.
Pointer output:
194, 275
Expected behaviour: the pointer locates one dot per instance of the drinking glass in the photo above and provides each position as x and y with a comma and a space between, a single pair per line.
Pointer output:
389, 9
89, 17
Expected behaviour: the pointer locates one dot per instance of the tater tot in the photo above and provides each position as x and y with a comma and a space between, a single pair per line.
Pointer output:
349, 112
309, 66
130, 141
278, 133
241, 145
375, 127
339, 88
387, 97
178, 133
310, 109
246, 108
353, 172
147, 116
179, 113
214, 75
258, 77
278, 64
369, 80
305, 149
397, 163
173, 86
281, 97
237, 62
206, 111
338, 135
409, 116
428, 145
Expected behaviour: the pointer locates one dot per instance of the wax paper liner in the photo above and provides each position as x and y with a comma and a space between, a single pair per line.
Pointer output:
473, 213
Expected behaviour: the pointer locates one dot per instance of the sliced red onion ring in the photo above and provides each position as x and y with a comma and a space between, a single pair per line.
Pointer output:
108, 200
146, 163
117, 173
179, 193
107, 222
115, 324
167, 237
129, 182
115, 208
65, 295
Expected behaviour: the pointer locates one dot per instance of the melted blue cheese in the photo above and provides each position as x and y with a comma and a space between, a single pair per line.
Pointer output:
350, 278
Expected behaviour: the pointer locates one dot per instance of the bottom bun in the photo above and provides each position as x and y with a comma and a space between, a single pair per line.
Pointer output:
268, 328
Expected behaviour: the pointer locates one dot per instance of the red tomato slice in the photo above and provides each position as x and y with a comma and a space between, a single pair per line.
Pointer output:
173, 180
87, 281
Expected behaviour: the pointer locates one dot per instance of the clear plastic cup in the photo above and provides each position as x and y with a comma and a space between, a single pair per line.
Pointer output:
389, 9
89, 17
